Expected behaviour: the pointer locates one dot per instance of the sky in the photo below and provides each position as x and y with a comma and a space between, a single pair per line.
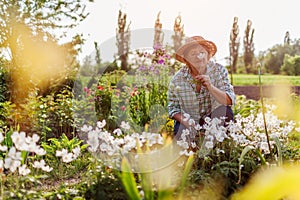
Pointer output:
211, 19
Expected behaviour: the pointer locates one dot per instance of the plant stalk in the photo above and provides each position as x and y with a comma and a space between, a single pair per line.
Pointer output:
263, 106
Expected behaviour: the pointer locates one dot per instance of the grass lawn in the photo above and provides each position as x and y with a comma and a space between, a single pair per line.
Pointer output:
251, 79
242, 79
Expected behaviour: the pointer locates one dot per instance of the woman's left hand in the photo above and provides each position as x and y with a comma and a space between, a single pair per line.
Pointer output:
205, 80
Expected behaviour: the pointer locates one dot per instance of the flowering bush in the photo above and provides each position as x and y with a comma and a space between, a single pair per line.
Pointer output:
236, 150
118, 144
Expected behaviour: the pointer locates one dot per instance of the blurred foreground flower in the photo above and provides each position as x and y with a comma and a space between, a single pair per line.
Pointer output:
273, 183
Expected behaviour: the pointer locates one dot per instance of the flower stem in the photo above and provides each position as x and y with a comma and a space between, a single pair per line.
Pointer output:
263, 106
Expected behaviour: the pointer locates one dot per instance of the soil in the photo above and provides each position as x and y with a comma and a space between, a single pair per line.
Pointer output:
253, 92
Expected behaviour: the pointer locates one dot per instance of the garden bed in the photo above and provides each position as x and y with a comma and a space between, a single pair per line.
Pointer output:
253, 92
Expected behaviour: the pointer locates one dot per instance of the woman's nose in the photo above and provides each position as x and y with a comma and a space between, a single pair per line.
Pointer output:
201, 55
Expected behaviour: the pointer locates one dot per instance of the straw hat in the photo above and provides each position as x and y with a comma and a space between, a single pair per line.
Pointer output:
208, 45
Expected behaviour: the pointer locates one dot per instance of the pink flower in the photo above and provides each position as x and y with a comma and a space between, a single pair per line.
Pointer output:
87, 90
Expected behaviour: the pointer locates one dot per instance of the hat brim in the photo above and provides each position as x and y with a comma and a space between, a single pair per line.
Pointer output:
208, 45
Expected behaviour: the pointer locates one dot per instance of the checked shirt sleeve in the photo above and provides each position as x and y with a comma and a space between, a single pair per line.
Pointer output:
227, 85
173, 100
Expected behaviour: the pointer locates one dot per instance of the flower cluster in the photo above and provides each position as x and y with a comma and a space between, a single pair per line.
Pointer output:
117, 143
68, 156
250, 131
244, 131
13, 158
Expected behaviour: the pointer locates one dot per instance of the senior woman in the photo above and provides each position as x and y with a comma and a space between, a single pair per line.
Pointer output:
201, 88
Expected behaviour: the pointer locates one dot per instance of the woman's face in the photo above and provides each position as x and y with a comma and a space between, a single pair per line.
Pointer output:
197, 56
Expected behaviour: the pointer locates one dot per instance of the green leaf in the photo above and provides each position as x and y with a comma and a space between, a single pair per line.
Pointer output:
24, 156
186, 172
244, 152
279, 150
128, 181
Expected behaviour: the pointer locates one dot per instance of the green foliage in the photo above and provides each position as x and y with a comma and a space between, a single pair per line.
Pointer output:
187, 169
39, 15
129, 181
274, 57
245, 106
53, 114
6, 114
4, 78
102, 182
61, 169
291, 65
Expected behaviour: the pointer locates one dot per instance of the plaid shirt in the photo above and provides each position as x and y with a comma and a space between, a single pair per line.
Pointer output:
183, 97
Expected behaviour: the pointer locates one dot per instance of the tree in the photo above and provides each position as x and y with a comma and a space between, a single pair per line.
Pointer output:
234, 45
42, 16
158, 34
37, 63
123, 37
178, 33
275, 56
27, 33
248, 47
291, 65
287, 39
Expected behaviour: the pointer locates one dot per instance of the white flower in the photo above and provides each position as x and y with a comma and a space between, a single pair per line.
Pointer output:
23, 170
186, 117
264, 146
186, 153
38, 164
11, 164
107, 148
298, 129
118, 132
183, 144
13, 154
184, 133
198, 127
12, 160
40, 151
47, 168
86, 128
155, 138
41, 165
209, 144
3, 148
67, 157
19, 139
101, 124
34, 139
61, 153
76, 151
220, 151
1, 137
192, 122
125, 125
93, 141
219, 137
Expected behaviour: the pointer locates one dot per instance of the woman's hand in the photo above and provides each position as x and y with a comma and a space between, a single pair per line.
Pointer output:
205, 80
